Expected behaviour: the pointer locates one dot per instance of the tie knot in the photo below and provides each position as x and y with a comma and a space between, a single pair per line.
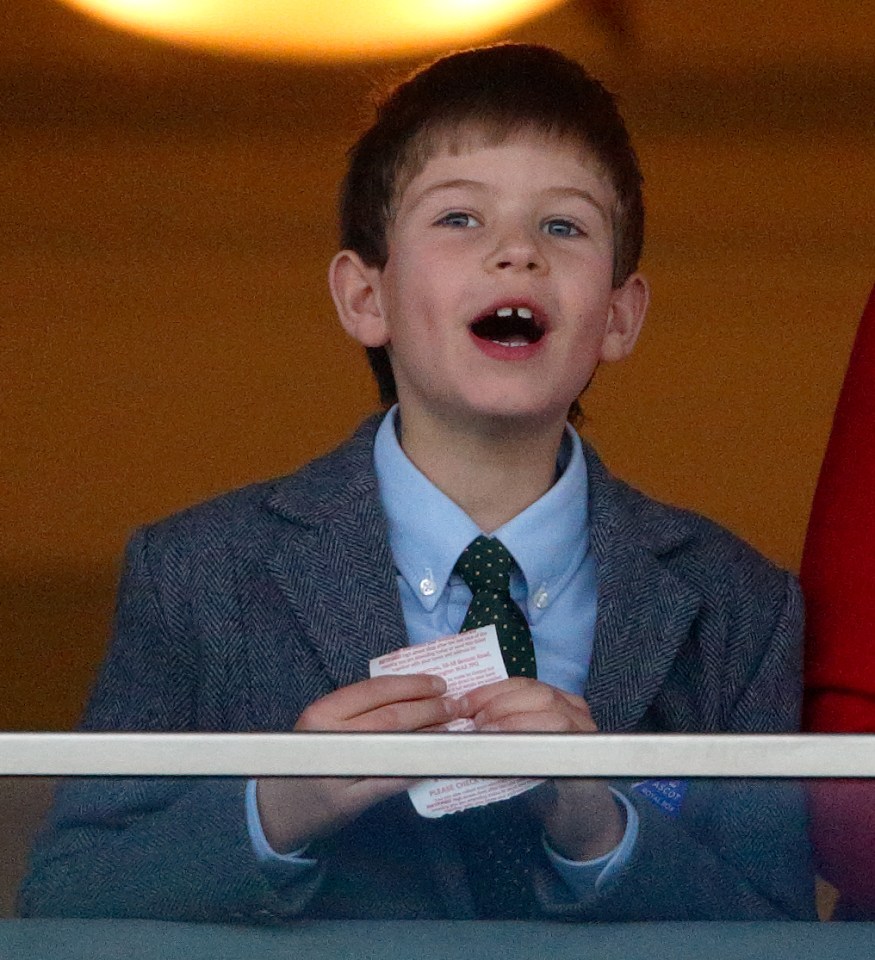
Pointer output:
485, 565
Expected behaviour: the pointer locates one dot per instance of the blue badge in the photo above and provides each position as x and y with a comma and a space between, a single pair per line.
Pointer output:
668, 795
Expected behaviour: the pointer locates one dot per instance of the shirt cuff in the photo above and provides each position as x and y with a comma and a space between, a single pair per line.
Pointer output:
289, 865
584, 877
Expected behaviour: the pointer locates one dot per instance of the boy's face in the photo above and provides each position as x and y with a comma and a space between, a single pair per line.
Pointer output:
496, 299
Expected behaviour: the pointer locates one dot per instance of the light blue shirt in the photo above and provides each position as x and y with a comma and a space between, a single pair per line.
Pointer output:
555, 587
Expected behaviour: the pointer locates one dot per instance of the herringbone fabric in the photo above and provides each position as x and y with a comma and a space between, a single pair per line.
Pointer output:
237, 614
485, 565
498, 842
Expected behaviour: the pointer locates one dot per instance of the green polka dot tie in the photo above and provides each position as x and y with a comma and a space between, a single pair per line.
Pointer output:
499, 842
485, 566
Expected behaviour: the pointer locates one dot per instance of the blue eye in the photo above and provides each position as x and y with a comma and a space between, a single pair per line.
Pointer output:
458, 219
558, 227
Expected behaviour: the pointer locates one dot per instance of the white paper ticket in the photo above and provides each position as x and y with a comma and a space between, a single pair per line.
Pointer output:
465, 661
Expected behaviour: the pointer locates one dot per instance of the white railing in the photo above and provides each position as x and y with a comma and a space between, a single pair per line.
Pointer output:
437, 754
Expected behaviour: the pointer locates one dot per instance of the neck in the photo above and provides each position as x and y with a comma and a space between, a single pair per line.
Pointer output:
493, 473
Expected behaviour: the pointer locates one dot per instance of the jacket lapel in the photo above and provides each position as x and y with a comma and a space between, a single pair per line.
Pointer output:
644, 611
333, 562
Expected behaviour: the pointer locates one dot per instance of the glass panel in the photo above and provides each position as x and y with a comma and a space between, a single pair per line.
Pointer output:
190, 849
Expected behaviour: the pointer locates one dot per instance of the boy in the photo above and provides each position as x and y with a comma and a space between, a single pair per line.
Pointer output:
492, 224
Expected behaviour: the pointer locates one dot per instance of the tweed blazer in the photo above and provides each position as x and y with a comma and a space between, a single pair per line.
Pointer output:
236, 614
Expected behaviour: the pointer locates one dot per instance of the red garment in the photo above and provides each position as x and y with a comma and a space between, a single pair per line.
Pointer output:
838, 578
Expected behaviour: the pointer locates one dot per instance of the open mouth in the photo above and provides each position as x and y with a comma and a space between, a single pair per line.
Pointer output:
510, 327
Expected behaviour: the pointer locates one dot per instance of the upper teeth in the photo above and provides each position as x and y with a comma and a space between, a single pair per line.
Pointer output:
522, 312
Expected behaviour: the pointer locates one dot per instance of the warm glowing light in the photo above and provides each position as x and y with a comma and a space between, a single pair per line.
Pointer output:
317, 29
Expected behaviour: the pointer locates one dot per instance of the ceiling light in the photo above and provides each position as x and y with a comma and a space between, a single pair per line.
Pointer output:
317, 29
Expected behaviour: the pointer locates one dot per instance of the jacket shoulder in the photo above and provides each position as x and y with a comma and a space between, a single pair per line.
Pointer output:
738, 663
682, 538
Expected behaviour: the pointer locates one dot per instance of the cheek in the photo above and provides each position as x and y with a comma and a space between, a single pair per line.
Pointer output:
590, 334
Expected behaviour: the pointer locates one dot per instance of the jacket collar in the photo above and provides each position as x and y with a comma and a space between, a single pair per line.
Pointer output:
333, 561
331, 485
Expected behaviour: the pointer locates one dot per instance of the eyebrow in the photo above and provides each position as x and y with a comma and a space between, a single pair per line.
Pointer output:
446, 185
584, 195
557, 192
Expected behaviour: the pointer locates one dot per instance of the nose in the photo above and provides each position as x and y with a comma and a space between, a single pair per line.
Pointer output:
517, 250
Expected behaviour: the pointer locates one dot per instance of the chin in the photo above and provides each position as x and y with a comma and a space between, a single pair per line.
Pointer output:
519, 414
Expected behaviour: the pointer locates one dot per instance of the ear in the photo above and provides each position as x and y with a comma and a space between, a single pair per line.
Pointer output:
355, 289
625, 318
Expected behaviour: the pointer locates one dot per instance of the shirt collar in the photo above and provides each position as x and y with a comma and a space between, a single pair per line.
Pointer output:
550, 538
428, 531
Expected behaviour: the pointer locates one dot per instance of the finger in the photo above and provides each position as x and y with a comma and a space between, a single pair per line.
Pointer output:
378, 691
520, 694
476, 699
481, 695
436, 728
408, 715
530, 698
576, 703
535, 722
332, 711
346, 797
562, 720
366, 791
537, 698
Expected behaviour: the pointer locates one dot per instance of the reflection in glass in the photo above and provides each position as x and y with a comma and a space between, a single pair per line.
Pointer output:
189, 849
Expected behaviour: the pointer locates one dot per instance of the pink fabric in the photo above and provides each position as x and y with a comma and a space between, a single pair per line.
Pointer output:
838, 578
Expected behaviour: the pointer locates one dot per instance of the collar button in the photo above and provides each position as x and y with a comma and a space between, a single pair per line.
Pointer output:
541, 598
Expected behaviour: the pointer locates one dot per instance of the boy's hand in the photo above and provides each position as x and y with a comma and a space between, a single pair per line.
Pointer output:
581, 817
294, 811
